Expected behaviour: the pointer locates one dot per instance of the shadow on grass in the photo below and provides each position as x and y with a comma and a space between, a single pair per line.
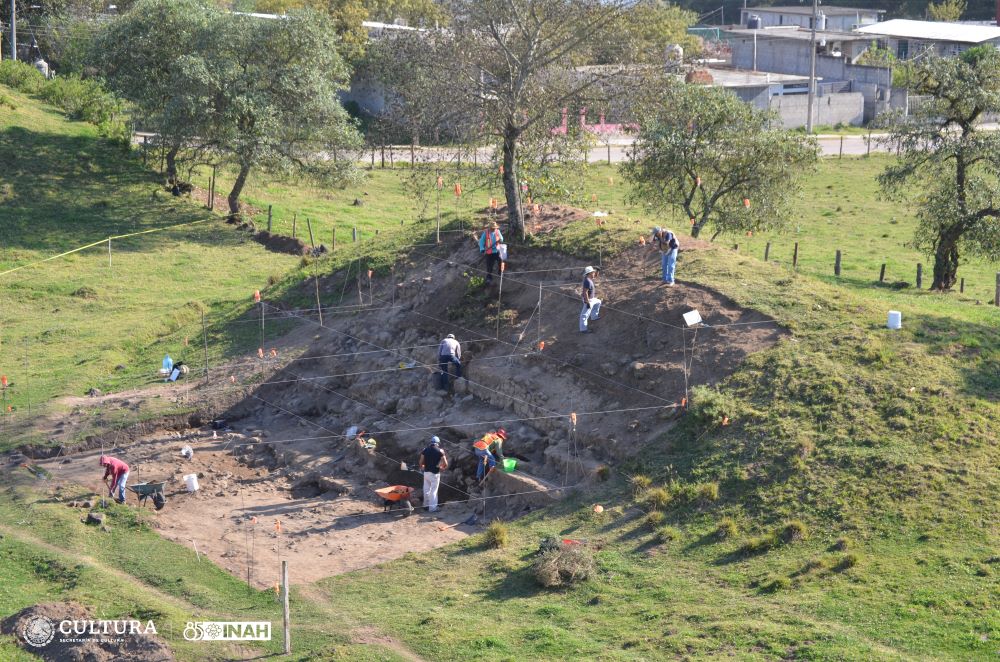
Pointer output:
976, 348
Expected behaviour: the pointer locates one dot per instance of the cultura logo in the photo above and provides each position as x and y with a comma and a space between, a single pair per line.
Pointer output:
38, 631
228, 631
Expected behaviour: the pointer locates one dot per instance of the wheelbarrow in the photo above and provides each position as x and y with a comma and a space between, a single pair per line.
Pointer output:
147, 490
395, 495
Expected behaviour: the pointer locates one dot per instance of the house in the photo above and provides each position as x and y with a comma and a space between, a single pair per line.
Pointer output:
842, 19
909, 39
788, 50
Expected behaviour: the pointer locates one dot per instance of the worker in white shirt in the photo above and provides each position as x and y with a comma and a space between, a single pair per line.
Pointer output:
591, 304
449, 353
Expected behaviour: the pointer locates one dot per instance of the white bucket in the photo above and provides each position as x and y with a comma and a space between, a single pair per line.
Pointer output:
895, 319
191, 480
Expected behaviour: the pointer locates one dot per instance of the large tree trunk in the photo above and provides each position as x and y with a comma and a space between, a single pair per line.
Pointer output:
234, 194
945, 262
511, 190
696, 229
172, 162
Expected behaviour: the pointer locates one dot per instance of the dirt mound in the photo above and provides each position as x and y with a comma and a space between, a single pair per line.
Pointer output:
40, 630
548, 218
280, 243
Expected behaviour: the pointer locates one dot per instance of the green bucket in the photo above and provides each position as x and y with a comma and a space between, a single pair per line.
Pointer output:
509, 464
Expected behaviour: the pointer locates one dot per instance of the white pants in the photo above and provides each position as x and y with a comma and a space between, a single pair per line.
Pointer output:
591, 312
431, 484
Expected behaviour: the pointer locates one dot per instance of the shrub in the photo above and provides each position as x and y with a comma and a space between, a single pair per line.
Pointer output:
757, 545
655, 519
563, 566
85, 292
657, 498
776, 584
667, 534
846, 562
21, 76
497, 534
792, 531
640, 484
842, 545
706, 492
710, 406
603, 472
726, 529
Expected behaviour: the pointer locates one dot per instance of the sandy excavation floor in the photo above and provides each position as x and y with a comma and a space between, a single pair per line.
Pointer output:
316, 536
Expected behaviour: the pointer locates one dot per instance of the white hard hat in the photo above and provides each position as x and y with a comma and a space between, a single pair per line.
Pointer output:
589, 270
450, 335
435, 440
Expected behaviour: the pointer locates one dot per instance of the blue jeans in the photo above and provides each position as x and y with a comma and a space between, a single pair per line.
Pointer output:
669, 263
444, 363
481, 465
118, 489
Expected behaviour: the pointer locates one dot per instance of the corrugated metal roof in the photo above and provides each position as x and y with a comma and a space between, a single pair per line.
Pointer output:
962, 33
829, 11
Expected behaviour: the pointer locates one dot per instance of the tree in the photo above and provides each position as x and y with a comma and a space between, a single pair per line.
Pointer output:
946, 10
705, 151
347, 16
137, 54
651, 26
511, 64
947, 163
423, 13
273, 108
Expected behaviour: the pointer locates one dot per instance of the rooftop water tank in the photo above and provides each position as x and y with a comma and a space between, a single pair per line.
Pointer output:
754, 22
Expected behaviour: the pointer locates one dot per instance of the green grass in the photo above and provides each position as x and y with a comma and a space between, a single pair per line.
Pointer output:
853, 432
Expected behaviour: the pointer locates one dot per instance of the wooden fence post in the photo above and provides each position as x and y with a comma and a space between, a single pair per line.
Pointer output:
145, 148
869, 141
996, 296
295, 219
609, 153
841, 147
354, 234
881, 274
334, 239
309, 225
383, 157
767, 251
795, 255
836, 265
284, 600
269, 209
961, 286
736, 247
920, 275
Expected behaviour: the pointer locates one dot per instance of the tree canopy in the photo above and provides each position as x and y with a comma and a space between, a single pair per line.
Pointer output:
947, 164
719, 160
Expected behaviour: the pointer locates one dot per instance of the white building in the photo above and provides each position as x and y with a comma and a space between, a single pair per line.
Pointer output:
837, 19
908, 39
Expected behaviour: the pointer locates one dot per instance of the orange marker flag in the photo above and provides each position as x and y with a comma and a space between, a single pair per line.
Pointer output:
3, 381
232, 379
277, 588
536, 208
697, 182
369, 274
572, 419
260, 352
274, 352
541, 345
501, 169
642, 240
256, 296
746, 202
684, 403
277, 526
692, 221
253, 520
593, 197
749, 233
725, 420
440, 182
493, 203
458, 190
503, 267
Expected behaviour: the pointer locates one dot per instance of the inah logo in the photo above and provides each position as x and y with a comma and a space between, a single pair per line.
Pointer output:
38, 631
228, 631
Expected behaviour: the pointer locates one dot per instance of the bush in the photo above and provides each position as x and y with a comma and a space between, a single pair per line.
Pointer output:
706, 492
776, 584
21, 76
497, 534
655, 519
842, 545
757, 545
726, 529
792, 531
667, 534
846, 562
709, 406
657, 498
640, 484
565, 565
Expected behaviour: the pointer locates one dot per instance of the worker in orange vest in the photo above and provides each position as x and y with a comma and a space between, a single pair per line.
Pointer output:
489, 245
486, 459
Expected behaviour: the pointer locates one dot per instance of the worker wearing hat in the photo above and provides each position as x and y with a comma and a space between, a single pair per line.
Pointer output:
117, 471
485, 458
591, 304
432, 462
666, 242
449, 353
489, 245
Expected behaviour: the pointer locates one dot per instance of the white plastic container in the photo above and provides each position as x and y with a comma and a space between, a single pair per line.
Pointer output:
895, 319
191, 480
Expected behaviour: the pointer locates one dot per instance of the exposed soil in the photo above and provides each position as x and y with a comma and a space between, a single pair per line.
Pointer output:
94, 648
290, 459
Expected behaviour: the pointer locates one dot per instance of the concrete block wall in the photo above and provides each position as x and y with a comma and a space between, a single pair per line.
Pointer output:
832, 109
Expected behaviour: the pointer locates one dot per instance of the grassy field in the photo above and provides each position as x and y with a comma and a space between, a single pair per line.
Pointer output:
859, 471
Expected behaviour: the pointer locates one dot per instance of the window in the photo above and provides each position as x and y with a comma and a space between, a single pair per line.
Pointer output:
902, 49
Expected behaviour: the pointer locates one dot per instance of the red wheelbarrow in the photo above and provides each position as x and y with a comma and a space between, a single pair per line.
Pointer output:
395, 496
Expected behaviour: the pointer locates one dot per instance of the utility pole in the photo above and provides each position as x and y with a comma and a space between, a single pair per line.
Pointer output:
812, 70
13, 29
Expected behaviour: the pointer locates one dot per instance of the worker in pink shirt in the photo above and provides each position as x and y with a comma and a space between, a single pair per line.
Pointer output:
117, 471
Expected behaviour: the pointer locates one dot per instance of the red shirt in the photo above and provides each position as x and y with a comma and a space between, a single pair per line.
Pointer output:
114, 468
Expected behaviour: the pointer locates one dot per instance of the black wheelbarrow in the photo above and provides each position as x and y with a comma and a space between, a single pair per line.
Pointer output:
150, 490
